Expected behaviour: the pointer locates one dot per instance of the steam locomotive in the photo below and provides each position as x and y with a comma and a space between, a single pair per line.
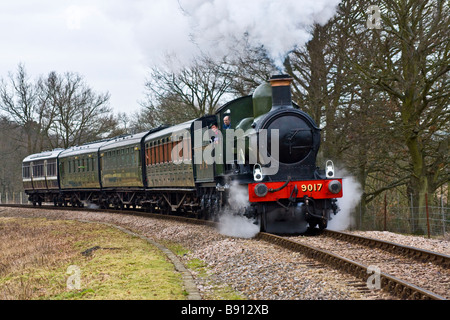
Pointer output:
267, 157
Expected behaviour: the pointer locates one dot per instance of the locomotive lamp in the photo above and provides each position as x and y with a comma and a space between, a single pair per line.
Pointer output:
257, 173
329, 169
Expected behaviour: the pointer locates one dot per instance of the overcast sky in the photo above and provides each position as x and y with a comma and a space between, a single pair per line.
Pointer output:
112, 43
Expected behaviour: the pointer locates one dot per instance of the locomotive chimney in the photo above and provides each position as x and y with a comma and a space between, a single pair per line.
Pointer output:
281, 91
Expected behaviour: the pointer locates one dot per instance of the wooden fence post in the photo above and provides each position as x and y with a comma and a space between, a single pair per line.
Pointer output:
428, 215
385, 212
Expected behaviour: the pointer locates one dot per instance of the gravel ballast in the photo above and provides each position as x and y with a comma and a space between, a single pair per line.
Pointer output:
256, 269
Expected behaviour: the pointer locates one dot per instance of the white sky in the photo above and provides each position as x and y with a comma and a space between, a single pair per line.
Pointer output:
109, 42
112, 43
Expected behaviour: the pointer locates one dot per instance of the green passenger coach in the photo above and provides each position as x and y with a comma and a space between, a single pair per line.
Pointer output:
78, 167
121, 162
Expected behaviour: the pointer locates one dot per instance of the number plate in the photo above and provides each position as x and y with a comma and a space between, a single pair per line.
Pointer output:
311, 187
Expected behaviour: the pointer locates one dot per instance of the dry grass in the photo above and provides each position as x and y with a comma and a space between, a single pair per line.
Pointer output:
35, 255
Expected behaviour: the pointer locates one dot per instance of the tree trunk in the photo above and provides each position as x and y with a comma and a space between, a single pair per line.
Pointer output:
418, 185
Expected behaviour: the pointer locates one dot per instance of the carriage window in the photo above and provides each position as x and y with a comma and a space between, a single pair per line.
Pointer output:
170, 147
38, 170
166, 155
51, 168
26, 171
157, 154
153, 155
148, 153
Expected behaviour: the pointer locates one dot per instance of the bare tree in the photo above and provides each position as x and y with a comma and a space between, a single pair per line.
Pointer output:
81, 114
11, 155
189, 92
248, 66
55, 111
408, 60
21, 100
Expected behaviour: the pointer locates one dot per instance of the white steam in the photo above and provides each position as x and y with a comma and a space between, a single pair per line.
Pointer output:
237, 226
91, 205
352, 192
233, 225
278, 25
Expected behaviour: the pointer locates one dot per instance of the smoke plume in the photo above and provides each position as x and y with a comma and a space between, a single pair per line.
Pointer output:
278, 25
233, 225
352, 192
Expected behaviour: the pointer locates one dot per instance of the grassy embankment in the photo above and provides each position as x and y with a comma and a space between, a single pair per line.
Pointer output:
35, 256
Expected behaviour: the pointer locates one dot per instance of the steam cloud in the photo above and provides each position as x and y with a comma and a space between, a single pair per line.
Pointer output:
235, 225
352, 192
216, 27
278, 25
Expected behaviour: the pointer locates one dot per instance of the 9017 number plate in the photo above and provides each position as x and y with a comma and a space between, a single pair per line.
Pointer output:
311, 187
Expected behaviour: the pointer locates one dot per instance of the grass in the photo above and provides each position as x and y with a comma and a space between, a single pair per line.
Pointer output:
218, 290
35, 255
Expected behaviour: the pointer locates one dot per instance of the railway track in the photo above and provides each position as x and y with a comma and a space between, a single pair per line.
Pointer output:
394, 285
418, 254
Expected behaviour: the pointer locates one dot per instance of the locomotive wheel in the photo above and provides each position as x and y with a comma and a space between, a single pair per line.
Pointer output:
117, 203
312, 224
37, 201
263, 220
323, 224
60, 202
203, 211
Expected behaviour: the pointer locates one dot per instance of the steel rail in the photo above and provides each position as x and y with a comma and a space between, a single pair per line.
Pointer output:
392, 247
